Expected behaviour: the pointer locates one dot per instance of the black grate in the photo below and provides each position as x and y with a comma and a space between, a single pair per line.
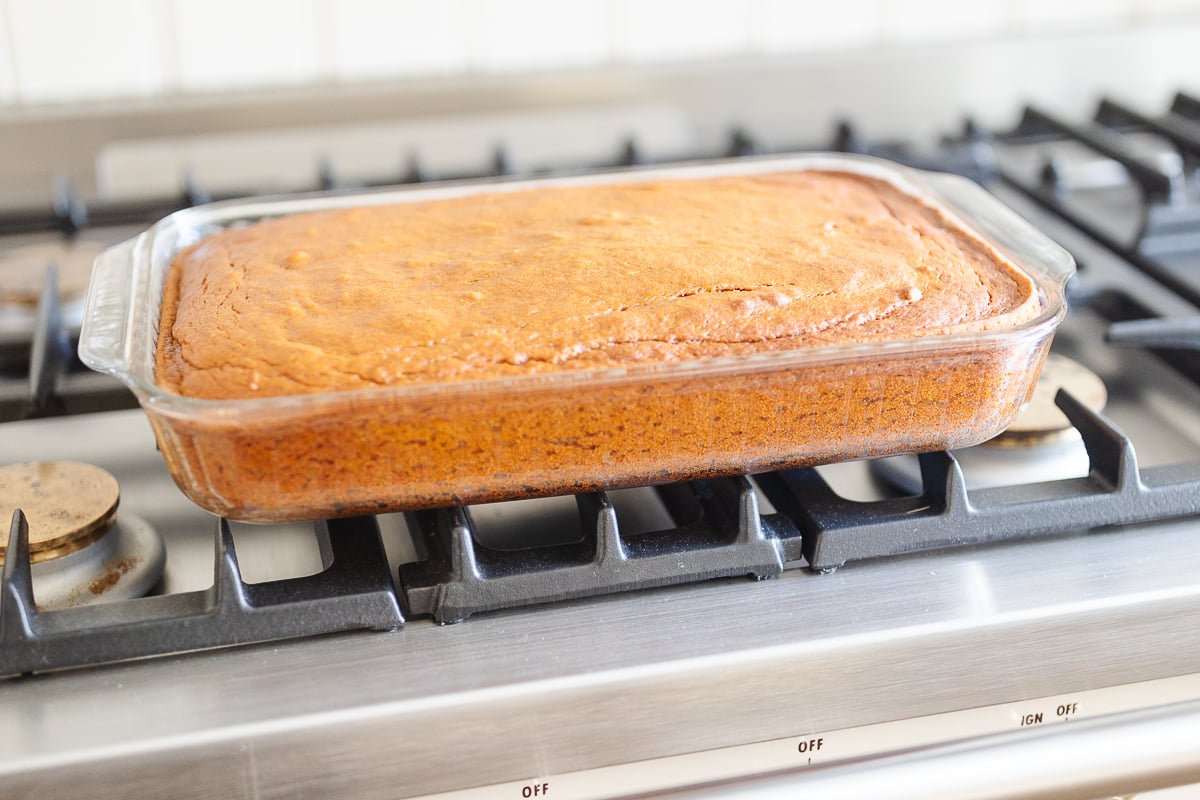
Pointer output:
50, 380
814, 527
354, 591
1166, 246
720, 533
1169, 208
1116, 492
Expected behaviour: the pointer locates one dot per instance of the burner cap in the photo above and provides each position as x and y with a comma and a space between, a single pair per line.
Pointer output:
1041, 422
68, 505
22, 269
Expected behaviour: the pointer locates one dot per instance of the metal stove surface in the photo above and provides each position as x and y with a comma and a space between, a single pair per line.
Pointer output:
516, 695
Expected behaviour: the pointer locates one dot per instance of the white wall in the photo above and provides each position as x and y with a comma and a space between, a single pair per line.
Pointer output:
56, 51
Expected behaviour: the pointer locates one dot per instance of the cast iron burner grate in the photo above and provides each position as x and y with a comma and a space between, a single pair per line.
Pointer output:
56, 383
814, 527
354, 591
721, 533
1116, 492
1169, 207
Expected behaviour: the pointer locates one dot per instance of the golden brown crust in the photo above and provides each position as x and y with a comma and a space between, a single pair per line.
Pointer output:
590, 277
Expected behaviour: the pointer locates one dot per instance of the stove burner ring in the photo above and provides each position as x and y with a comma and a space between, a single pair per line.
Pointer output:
81, 551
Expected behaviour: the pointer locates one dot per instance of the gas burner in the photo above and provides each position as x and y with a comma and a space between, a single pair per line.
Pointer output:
1041, 445
22, 270
81, 552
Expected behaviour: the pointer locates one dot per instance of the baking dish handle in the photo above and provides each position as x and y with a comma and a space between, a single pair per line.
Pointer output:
104, 337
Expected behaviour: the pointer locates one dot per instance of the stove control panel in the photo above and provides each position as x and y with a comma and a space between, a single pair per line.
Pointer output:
823, 747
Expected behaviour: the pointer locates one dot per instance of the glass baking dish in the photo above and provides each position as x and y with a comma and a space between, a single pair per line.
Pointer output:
410, 446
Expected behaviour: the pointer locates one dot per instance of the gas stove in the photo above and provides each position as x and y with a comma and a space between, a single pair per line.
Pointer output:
932, 616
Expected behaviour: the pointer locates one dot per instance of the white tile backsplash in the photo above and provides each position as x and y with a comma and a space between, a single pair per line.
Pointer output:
785, 26
911, 22
61, 50
78, 49
238, 44
1166, 9
396, 38
1035, 16
542, 34
647, 31
8, 83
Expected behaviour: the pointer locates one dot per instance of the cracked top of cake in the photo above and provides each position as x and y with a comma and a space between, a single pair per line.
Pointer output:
572, 278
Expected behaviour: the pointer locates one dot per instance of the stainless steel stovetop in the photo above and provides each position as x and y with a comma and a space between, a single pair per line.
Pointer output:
964, 661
